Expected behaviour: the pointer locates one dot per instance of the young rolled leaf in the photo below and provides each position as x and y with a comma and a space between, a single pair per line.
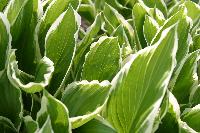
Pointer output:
57, 112
171, 21
150, 29
182, 53
79, 99
121, 34
139, 12
125, 10
115, 19
192, 118
84, 45
183, 33
107, 49
112, 16
187, 79
135, 100
54, 10
5, 40
160, 4
10, 100
29, 83
158, 16
60, 45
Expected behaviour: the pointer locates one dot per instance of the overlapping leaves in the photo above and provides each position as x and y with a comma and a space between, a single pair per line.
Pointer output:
58, 57
139, 97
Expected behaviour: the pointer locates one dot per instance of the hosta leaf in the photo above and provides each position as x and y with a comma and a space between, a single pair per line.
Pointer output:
124, 10
87, 11
183, 33
53, 11
25, 44
160, 4
135, 100
30, 126
57, 112
102, 61
192, 118
127, 2
193, 10
122, 37
171, 3
97, 125
112, 16
186, 79
170, 21
5, 40
6, 126
28, 83
195, 96
81, 120
139, 12
184, 128
195, 27
45, 4
60, 44
161, 112
10, 100
3, 4
196, 42
150, 28
82, 93
170, 121
85, 43
115, 19
99, 4
23, 16
183, 29
158, 16
175, 9
78, 97
15, 14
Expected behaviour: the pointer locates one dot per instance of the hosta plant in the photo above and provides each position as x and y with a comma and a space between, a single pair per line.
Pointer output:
99, 66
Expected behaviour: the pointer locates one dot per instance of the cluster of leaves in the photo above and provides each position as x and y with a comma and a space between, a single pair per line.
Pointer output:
99, 66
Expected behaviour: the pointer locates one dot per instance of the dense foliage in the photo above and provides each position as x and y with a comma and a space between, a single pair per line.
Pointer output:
99, 66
